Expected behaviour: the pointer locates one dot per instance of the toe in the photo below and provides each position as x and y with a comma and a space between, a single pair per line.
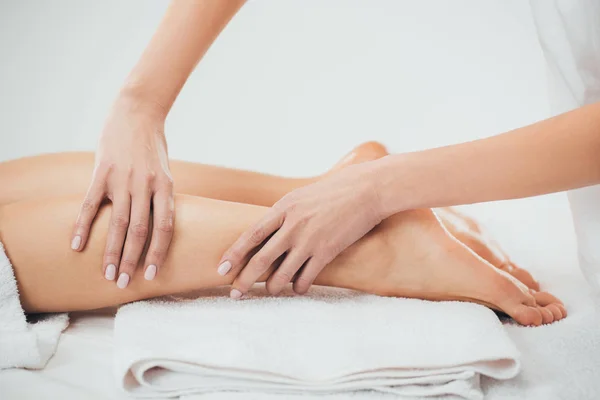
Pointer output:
525, 277
547, 316
545, 298
555, 310
526, 315
550, 304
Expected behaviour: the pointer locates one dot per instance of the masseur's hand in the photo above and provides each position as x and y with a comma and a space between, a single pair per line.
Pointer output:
310, 226
131, 170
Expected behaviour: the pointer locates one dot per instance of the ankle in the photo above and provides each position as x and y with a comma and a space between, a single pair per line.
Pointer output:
364, 266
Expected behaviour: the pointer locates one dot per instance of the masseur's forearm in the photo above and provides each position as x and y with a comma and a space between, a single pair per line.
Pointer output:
186, 32
553, 155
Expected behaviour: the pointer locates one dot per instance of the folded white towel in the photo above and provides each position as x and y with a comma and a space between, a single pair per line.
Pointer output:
328, 342
24, 344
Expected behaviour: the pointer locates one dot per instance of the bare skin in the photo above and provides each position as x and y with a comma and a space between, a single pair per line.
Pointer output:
132, 165
409, 255
223, 184
468, 232
63, 174
429, 263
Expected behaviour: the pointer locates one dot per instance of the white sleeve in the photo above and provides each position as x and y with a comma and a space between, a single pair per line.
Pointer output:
569, 33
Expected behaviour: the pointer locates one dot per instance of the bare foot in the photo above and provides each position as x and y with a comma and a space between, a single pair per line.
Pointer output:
364, 152
412, 255
468, 231
461, 226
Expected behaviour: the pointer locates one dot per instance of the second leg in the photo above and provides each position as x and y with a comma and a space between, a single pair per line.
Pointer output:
63, 174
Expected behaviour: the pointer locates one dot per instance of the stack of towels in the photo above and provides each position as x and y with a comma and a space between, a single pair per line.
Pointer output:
330, 342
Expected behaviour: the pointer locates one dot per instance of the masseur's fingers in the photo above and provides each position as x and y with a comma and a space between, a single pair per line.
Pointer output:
323, 218
117, 230
136, 237
259, 264
285, 273
308, 275
162, 232
249, 240
87, 212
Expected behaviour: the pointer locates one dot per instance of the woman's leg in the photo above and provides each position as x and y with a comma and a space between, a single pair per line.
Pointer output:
53, 278
409, 255
63, 174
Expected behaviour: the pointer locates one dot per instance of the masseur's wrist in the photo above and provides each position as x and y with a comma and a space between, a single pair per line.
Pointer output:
138, 99
394, 183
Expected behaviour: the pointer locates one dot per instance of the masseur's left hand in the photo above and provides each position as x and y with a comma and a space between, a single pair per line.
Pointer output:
311, 226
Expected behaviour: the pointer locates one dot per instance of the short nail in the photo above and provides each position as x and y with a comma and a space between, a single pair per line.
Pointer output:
123, 281
224, 268
150, 272
110, 272
76, 242
235, 294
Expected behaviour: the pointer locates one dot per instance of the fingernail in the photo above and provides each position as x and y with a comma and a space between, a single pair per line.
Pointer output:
123, 281
110, 272
235, 294
224, 268
150, 272
76, 242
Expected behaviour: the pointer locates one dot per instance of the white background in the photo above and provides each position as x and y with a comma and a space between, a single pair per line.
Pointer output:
286, 83
290, 86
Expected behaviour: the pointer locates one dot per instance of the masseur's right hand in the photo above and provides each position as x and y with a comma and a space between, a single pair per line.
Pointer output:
132, 171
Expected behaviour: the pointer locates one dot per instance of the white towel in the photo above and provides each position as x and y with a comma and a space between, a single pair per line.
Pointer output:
24, 344
328, 342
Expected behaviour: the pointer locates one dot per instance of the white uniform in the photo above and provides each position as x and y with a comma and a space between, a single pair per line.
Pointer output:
569, 32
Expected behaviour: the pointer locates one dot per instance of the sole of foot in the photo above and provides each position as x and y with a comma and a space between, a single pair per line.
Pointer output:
414, 256
468, 232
